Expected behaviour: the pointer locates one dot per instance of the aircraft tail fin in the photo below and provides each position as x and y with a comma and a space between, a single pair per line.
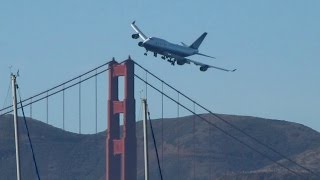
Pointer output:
198, 42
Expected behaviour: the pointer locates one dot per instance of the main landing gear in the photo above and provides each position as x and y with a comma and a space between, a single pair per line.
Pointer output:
146, 53
171, 61
155, 54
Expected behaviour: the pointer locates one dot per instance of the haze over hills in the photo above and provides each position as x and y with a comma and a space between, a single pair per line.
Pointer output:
207, 152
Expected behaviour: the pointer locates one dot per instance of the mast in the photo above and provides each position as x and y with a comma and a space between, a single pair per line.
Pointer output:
15, 120
145, 140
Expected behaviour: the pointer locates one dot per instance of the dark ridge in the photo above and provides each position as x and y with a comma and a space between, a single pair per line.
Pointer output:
65, 155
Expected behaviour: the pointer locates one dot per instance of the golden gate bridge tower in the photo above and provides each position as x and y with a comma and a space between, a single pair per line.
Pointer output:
121, 150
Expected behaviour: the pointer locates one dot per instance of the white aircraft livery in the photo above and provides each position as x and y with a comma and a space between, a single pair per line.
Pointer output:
173, 53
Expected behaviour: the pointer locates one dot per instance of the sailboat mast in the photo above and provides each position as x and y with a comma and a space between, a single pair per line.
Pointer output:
15, 120
145, 140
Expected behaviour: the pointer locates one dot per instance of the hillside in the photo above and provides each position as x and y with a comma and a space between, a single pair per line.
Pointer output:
65, 155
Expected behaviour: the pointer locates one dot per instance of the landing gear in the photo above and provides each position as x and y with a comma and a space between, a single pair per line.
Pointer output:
155, 54
163, 57
172, 61
146, 53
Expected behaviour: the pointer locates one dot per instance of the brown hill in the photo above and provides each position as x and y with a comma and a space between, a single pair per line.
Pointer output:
207, 153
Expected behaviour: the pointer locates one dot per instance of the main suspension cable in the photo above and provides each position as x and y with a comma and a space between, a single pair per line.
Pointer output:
230, 124
58, 91
223, 131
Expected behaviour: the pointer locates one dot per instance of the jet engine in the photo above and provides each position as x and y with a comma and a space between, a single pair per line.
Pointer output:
204, 68
140, 44
181, 62
135, 36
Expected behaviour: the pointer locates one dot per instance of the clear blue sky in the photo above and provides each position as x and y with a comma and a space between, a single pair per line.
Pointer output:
275, 45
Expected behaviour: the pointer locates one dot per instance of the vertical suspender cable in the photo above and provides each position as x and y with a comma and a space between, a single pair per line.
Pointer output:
63, 110
96, 101
31, 108
162, 125
178, 137
211, 159
194, 141
178, 105
79, 105
146, 85
47, 99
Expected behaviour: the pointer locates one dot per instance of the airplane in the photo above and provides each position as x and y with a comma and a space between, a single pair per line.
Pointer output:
173, 53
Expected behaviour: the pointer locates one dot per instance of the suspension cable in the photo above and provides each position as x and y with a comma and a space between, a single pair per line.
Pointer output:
64, 83
58, 91
230, 124
224, 131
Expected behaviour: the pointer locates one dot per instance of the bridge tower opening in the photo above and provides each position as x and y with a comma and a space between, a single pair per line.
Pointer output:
121, 150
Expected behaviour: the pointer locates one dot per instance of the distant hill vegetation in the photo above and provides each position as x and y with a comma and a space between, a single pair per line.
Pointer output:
205, 153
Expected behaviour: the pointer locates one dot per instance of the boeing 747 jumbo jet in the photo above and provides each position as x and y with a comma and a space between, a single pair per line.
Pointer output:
173, 53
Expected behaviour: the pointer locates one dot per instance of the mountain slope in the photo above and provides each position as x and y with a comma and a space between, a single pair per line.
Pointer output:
206, 151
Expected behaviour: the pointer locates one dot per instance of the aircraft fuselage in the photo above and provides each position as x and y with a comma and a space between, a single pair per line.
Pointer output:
164, 47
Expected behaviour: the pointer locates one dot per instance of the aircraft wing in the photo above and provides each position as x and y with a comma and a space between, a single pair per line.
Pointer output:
209, 66
137, 30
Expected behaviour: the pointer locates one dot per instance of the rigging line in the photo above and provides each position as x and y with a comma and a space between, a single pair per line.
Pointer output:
29, 138
64, 83
230, 124
155, 144
225, 132
69, 86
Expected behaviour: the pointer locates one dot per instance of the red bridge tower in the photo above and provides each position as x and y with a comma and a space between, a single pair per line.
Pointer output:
121, 150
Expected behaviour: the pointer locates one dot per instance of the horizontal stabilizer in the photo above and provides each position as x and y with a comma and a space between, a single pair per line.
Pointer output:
206, 55
183, 44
